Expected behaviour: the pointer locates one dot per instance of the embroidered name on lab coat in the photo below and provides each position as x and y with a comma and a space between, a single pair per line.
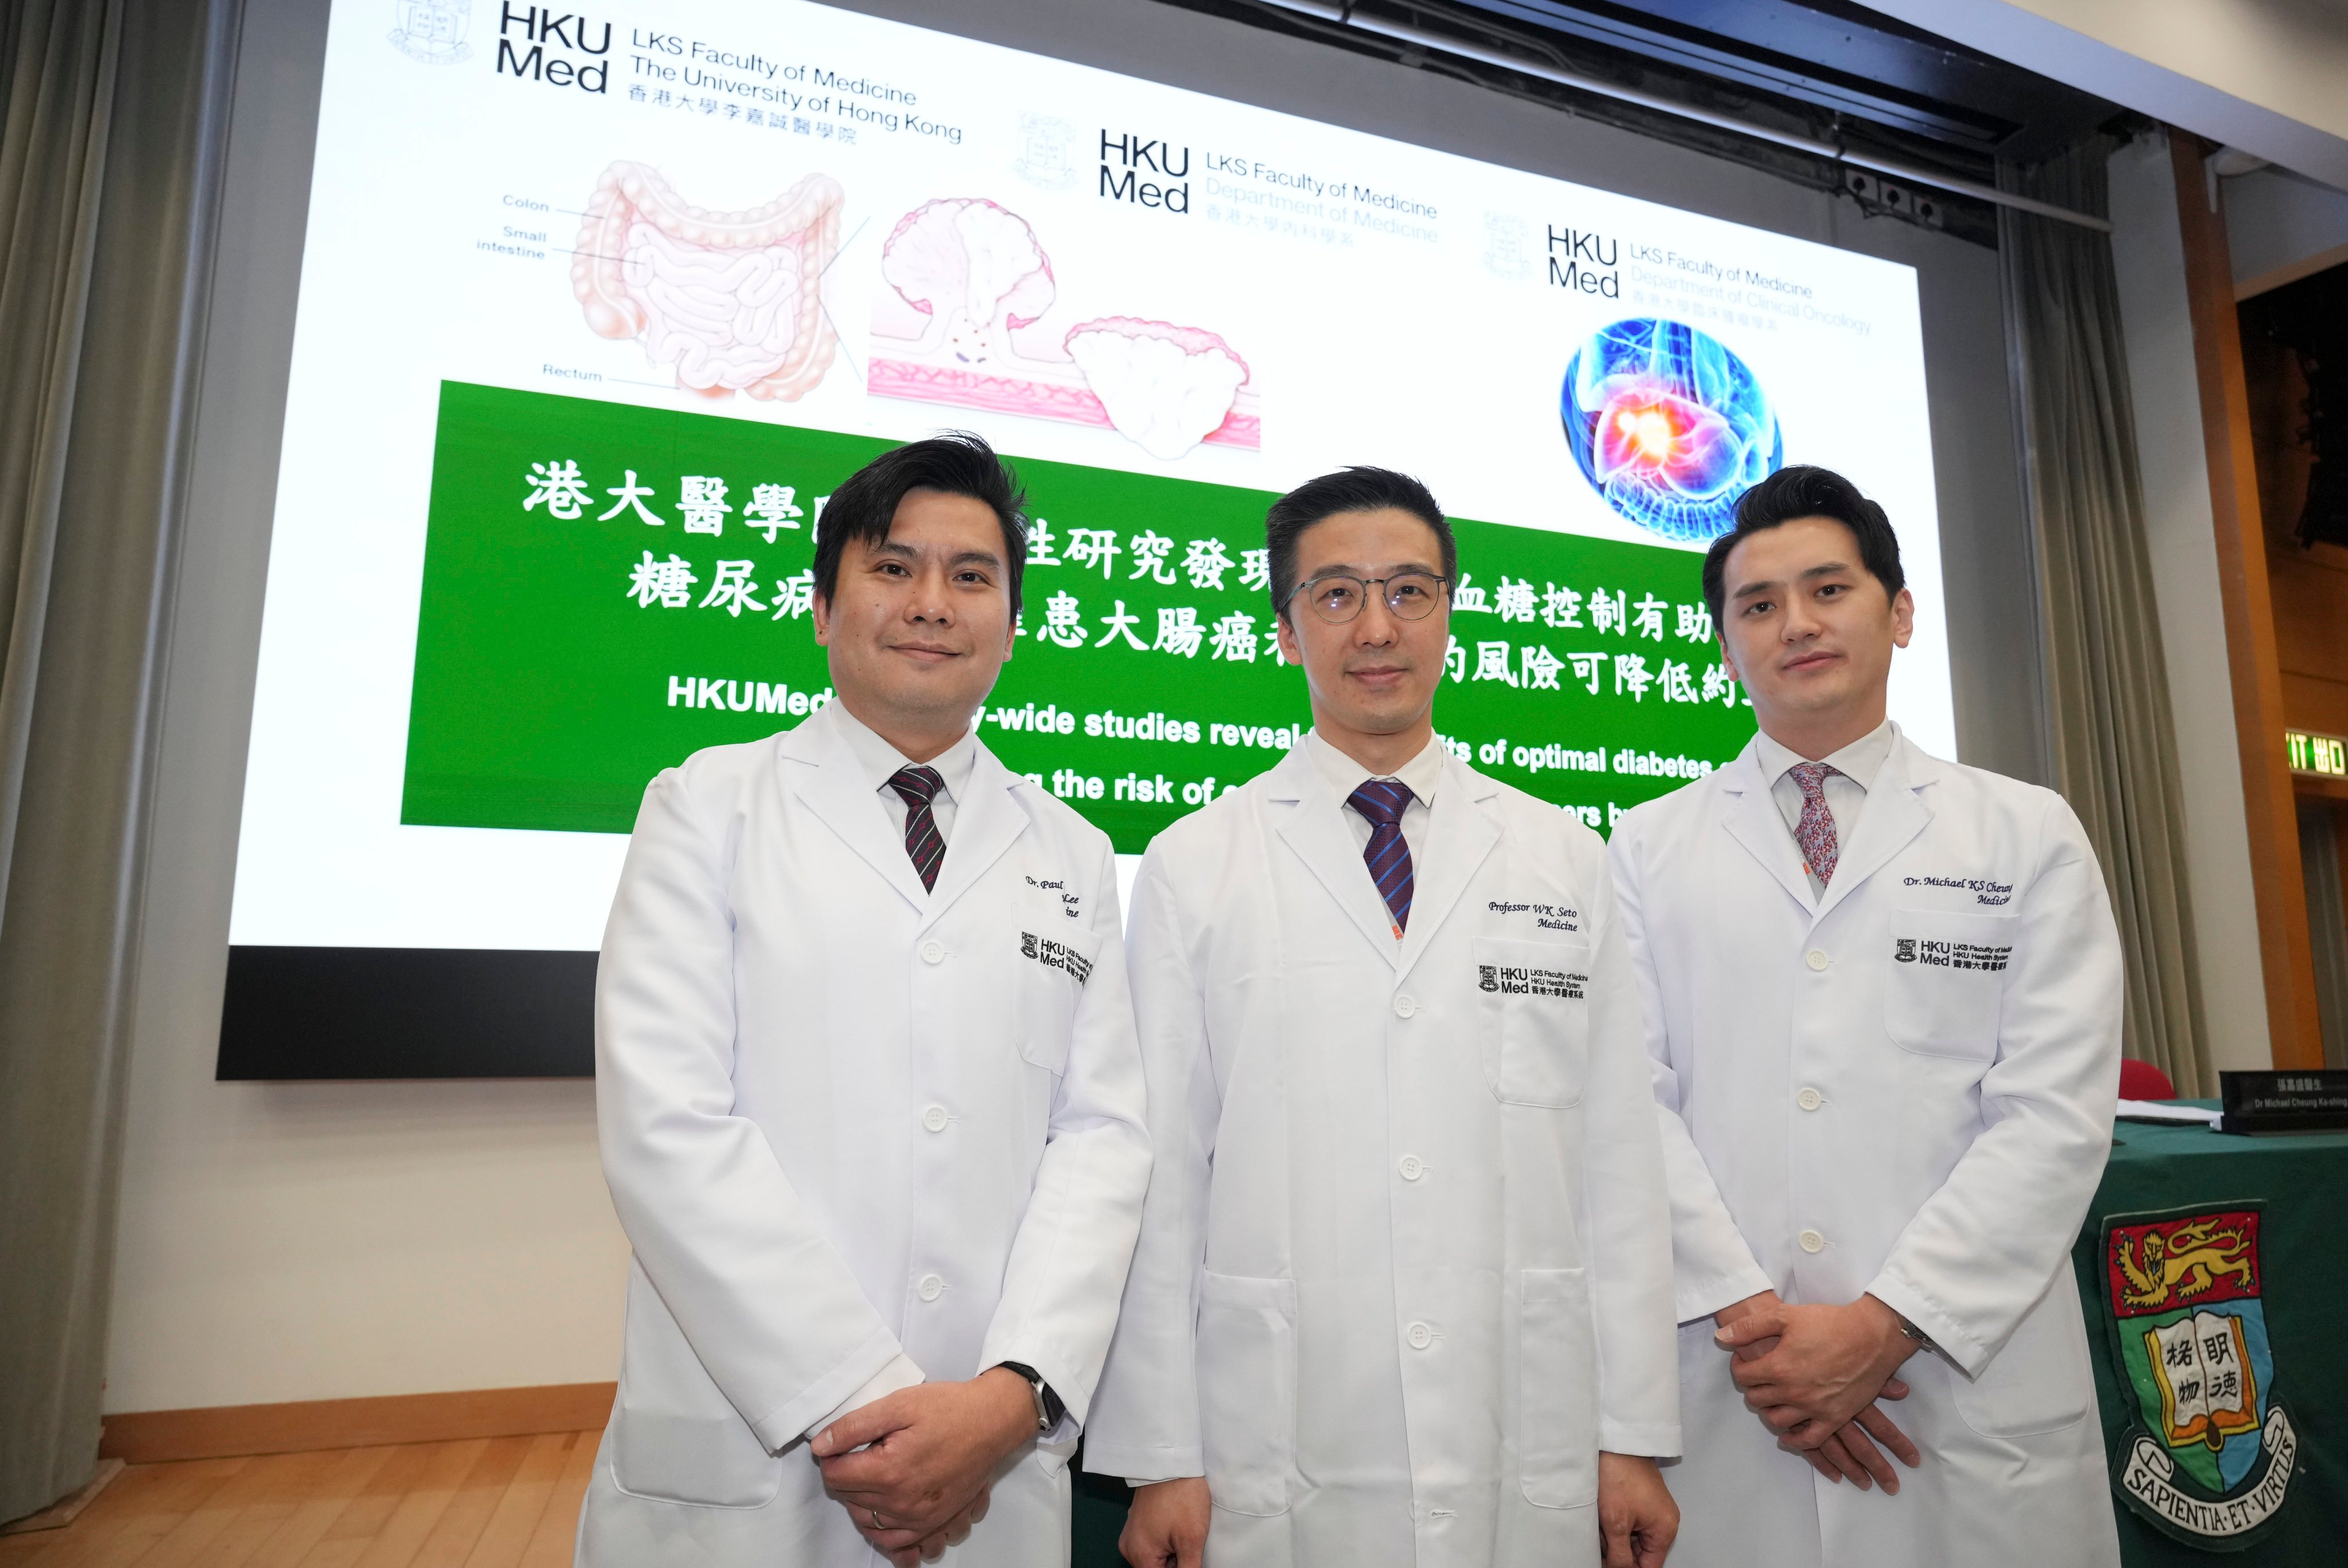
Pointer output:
1071, 905
1054, 955
1524, 981
1950, 955
1548, 916
1985, 890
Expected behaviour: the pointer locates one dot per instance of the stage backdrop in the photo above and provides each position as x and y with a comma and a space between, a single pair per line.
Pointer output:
594, 314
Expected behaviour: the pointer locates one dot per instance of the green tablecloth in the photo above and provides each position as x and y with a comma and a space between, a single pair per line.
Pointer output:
2298, 1187
2163, 1180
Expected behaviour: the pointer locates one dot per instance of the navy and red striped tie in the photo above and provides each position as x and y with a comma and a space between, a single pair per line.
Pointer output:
916, 787
1381, 803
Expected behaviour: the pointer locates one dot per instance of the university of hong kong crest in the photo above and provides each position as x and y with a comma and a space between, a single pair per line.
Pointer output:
432, 31
2210, 1458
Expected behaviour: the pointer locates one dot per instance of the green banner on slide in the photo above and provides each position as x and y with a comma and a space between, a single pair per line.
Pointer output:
609, 588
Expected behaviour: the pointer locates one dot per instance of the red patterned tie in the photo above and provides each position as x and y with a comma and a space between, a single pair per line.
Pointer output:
916, 787
1815, 830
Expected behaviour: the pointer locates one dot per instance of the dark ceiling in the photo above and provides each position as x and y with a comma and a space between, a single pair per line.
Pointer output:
1841, 57
1829, 69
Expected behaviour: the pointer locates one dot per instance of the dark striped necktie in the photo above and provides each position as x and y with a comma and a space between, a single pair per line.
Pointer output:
1381, 803
927, 847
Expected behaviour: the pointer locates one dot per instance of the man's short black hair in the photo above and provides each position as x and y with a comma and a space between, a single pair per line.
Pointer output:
1806, 492
1347, 490
956, 463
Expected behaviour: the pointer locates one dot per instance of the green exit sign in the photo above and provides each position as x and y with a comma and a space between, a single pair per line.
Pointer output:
2326, 755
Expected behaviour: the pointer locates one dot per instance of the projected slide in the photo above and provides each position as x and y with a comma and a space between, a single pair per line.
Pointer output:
558, 444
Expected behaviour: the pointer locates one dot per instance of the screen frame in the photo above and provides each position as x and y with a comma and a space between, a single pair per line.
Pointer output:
1988, 562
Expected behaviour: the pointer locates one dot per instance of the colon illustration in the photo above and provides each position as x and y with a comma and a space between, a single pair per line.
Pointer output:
1668, 425
962, 321
730, 301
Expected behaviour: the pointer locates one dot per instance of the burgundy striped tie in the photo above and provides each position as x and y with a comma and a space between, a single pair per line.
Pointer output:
1381, 803
923, 843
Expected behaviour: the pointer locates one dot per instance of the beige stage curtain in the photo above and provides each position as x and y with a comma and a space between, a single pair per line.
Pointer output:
112, 133
2112, 738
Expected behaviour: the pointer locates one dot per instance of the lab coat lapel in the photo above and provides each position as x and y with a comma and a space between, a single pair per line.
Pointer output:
984, 825
1895, 813
1310, 824
1751, 818
1459, 837
821, 773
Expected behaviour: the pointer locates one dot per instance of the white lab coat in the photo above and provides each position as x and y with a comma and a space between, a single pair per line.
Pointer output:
841, 1117
1848, 1108
1404, 1270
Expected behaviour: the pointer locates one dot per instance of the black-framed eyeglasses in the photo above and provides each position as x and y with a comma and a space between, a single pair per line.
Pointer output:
1338, 597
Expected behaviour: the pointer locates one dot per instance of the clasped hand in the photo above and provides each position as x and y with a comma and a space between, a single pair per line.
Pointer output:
1814, 1375
914, 1470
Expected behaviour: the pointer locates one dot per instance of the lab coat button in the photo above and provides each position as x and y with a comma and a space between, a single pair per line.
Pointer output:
1411, 1167
1817, 959
933, 953
1809, 1099
1812, 1242
935, 1118
1420, 1335
1405, 1007
932, 1288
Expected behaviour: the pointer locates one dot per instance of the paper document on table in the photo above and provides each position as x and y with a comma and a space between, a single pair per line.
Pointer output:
2168, 1111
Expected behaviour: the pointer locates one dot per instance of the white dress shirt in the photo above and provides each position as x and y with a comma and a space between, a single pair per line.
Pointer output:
1345, 775
1845, 788
880, 760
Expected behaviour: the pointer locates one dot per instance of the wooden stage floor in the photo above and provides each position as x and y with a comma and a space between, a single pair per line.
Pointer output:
489, 1502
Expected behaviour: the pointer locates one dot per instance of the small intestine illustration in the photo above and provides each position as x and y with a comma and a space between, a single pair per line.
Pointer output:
729, 301
962, 323
1669, 426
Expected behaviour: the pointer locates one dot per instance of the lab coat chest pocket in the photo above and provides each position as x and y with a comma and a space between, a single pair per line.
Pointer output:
1557, 1389
1247, 1390
1052, 966
1532, 1019
675, 1437
1946, 981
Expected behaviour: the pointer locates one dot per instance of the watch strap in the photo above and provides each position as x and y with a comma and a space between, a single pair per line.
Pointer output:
1049, 1407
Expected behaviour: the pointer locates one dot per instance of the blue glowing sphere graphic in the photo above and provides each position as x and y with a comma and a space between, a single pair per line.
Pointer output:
1668, 425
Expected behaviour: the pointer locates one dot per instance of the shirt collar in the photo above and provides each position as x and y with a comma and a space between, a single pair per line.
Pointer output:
878, 761
1859, 762
1345, 775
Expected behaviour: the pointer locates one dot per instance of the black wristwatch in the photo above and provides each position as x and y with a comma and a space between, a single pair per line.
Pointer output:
1049, 1407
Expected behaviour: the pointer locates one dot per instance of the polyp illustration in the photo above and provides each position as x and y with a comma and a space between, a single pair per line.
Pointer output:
1669, 426
961, 322
730, 301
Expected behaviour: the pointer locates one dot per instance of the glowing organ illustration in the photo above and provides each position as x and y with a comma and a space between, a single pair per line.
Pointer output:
1669, 426
732, 302
961, 322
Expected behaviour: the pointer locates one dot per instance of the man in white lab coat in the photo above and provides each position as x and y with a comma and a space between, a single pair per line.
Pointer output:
1404, 1269
1883, 997
870, 1094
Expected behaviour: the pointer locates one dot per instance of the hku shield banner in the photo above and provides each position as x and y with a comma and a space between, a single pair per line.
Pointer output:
2209, 1460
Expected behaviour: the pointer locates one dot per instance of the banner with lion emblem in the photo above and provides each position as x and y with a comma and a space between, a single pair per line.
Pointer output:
2210, 1460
